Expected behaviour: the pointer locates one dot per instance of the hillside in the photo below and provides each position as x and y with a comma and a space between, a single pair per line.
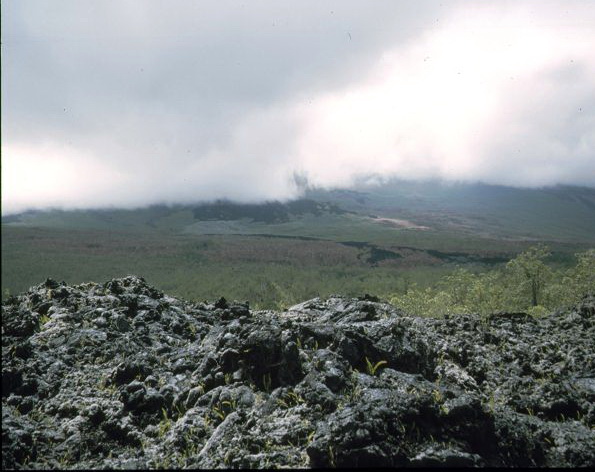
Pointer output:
369, 238
561, 213
120, 375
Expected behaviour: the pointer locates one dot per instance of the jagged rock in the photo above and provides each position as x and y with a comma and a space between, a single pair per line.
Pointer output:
120, 375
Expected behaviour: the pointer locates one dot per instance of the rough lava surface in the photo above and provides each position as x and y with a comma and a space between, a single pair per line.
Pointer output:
120, 375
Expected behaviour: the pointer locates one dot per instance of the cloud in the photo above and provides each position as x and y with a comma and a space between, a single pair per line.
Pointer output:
508, 104
128, 103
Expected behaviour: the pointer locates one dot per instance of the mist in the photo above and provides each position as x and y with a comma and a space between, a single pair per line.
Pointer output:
131, 103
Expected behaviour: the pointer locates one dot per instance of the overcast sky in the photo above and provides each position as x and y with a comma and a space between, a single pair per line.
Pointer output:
128, 103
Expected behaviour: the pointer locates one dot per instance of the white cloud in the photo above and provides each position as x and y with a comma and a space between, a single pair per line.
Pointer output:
207, 101
54, 175
476, 101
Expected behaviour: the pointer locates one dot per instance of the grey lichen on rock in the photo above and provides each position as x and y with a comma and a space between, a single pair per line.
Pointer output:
121, 375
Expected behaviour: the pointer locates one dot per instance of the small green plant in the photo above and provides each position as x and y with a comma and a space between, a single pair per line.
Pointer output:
207, 420
439, 399
12, 351
402, 427
180, 410
373, 368
164, 424
43, 319
64, 459
331, 457
163, 464
106, 385
190, 450
222, 409
355, 393
219, 412
192, 329
268, 445
290, 399
266, 382
232, 405
537, 311
492, 403
16, 410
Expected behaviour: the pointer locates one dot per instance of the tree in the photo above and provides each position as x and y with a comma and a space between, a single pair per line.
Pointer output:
580, 279
458, 284
530, 272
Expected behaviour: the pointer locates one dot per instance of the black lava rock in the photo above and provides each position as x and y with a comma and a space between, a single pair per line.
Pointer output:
120, 375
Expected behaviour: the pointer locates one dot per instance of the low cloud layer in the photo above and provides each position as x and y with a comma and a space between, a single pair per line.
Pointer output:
128, 103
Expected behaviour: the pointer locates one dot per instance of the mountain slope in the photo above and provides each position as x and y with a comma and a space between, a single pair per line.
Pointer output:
374, 239
563, 214
557, 213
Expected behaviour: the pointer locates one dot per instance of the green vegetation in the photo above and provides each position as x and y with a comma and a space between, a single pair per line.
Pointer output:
290, 399
529, 270
222, 409
268, 272
525, 284
275, 273
372, 368
561, 213
165, 424
432, 249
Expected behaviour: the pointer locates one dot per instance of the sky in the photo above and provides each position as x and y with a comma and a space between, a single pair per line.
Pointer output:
127, 103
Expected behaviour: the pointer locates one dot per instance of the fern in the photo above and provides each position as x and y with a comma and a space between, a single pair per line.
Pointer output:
373, 368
